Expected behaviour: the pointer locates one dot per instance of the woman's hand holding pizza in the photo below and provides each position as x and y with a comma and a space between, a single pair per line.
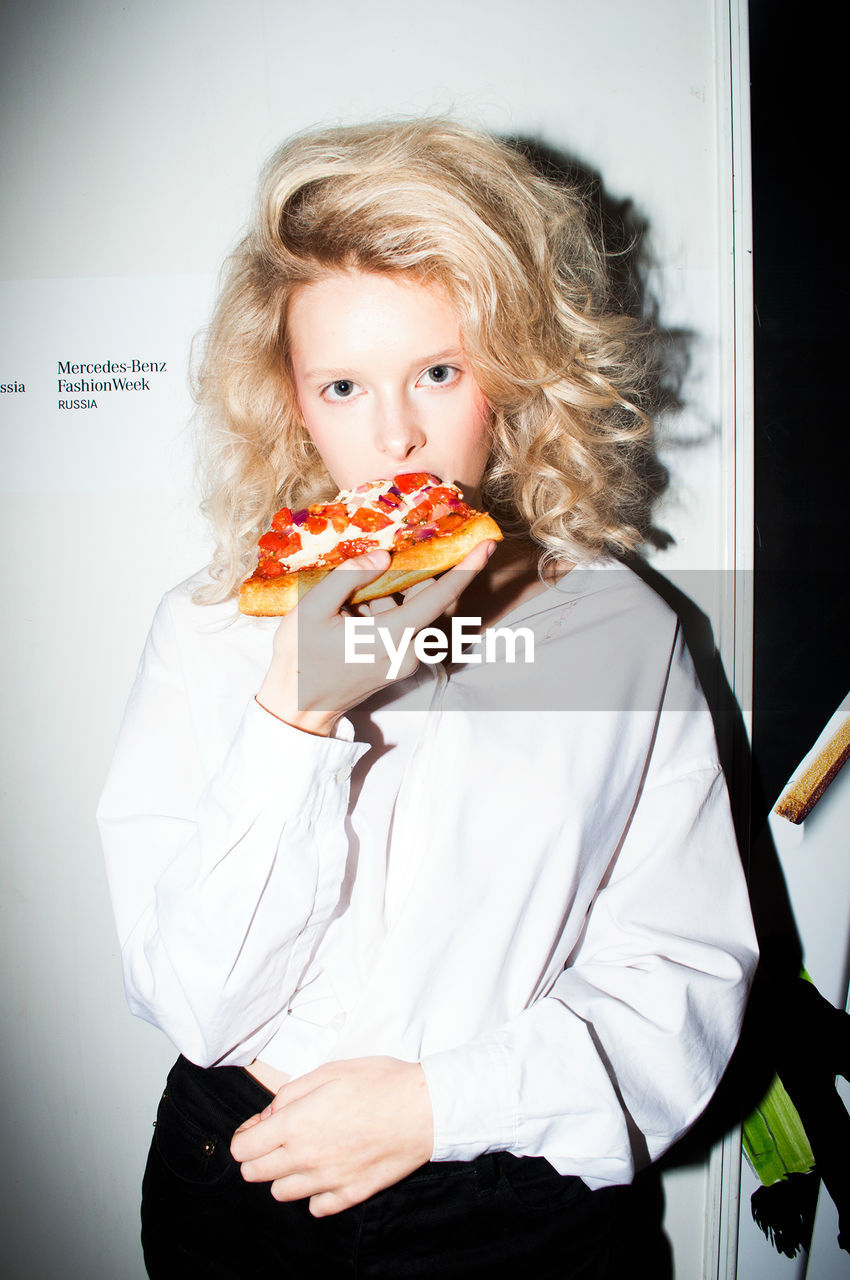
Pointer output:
309, 683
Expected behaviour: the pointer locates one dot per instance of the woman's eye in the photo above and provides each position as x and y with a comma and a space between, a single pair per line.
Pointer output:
342, 389
440, 375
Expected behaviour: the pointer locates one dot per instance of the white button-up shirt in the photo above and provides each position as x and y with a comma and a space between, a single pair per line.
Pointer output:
523, 875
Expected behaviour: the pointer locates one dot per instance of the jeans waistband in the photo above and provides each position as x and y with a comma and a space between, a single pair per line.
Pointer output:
222, 1098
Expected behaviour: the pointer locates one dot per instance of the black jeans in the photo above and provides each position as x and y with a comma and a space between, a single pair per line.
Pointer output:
497, 1216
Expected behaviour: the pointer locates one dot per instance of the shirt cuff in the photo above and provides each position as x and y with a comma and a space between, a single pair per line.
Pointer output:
473, 1101
290, 765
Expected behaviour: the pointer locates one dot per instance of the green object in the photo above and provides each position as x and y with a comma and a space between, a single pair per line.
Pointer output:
775, 1141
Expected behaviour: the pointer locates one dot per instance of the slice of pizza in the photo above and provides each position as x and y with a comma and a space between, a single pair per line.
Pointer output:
425, 524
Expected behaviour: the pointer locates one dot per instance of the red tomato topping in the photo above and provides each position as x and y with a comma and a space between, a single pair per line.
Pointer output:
420, 513
282, 519
370, 521
442, 493
389, 500
315, 524
280, 544
411, 480
338, 515
270, 568
447, 523
354, 547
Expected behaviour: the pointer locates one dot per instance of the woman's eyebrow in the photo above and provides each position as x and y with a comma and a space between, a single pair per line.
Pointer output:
330, 375
447, 353
420, 362
450, 353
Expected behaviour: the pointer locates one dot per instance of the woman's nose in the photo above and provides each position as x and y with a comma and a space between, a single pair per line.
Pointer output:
399, 432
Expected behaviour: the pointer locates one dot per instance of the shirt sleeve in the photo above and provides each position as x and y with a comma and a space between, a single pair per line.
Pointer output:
221, 886
621, 1056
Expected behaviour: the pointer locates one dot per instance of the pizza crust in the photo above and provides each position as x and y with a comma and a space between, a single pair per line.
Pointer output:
274, 597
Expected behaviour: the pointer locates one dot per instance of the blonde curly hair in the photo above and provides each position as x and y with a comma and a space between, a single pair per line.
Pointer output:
563, 368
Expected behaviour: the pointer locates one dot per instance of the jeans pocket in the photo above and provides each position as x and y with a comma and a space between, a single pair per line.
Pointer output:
537, 1186
192, 1153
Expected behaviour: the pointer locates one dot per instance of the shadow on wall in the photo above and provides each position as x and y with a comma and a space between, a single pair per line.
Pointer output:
792, 1038
622, 235
790, 1031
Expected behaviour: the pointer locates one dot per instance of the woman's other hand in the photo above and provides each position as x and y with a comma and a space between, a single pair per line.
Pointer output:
340, 1133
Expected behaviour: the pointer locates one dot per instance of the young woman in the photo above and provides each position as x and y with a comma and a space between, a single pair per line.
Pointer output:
448, 954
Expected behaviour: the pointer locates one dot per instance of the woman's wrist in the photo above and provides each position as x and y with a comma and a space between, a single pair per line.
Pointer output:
316, 722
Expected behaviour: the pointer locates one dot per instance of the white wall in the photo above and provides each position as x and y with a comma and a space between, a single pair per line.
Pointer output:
131, 135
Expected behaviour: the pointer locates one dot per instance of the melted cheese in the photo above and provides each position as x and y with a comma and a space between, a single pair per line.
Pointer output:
316, 545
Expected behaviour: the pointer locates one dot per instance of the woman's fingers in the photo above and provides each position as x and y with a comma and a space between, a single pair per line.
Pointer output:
424, 606
328, 596
372, 608
433, 596
320, 669
340, 1133
426, 601
415, 589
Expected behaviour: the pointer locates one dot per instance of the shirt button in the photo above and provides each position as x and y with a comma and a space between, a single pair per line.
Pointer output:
338, 1022
343, 774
